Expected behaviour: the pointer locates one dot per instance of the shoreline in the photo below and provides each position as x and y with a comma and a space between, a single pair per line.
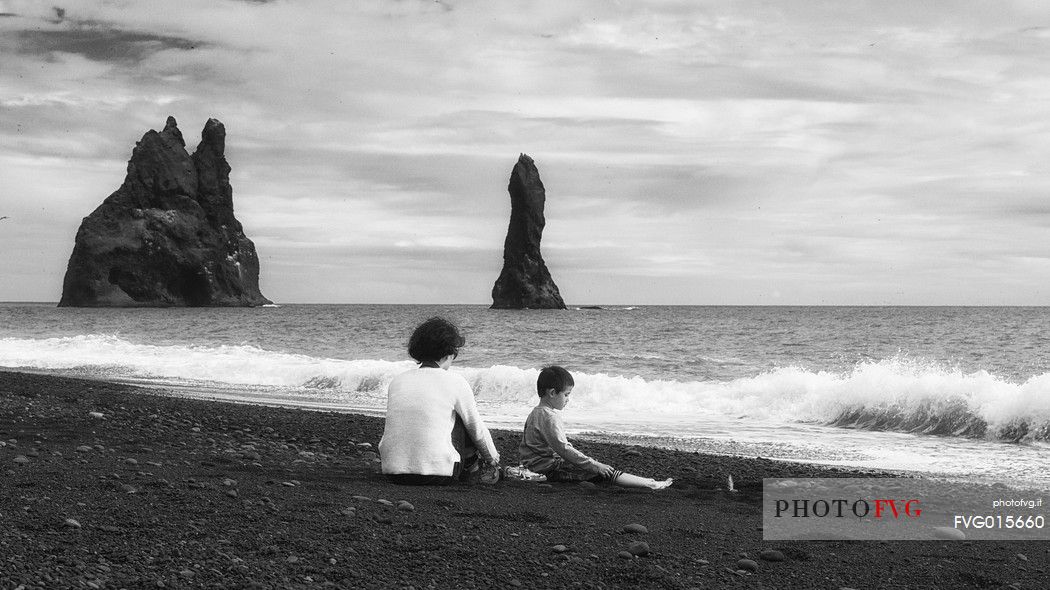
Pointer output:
186, 493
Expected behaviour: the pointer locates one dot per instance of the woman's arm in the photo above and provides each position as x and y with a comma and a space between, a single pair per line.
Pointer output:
467, 408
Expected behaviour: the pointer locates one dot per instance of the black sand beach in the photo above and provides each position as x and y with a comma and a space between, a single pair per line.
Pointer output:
108, 486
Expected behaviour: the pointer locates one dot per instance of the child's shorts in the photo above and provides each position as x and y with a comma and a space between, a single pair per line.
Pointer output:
563, 471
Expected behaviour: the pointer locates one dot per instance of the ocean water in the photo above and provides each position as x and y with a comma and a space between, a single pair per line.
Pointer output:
955, 392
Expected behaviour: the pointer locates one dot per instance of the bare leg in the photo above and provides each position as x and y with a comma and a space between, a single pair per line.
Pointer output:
628, 480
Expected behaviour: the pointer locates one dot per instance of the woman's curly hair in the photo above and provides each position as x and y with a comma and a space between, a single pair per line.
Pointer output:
435, 339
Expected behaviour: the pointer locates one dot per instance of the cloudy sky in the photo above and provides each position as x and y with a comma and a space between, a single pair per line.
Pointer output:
694, 152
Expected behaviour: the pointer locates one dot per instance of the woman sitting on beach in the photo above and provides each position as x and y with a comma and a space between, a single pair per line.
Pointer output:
433, 433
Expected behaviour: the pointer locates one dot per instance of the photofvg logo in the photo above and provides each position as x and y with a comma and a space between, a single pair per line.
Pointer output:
842, 508
899, 509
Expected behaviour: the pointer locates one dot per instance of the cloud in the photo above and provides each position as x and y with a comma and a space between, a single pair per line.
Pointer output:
695, 152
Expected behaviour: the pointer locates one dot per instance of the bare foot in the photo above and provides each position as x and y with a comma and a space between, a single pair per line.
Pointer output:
659, 485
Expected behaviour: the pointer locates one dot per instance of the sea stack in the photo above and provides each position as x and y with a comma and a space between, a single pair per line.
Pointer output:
525, 282
167, 237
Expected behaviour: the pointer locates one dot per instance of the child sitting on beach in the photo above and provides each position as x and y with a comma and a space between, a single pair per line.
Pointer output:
545, 449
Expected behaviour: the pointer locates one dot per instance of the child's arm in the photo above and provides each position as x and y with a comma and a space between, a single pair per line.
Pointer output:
550, 426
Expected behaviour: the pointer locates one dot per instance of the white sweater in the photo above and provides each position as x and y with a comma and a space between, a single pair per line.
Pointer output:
421, 408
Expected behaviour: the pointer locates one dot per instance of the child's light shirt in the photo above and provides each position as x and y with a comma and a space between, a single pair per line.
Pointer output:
543, 442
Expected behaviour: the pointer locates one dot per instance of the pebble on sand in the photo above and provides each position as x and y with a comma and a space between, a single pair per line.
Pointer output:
405, 506
636, 528
21, 459
639, 548
948, 533
625, 555
71, 523
384, 502
98, 415
772, 555
559, 548
748, 565
85, 449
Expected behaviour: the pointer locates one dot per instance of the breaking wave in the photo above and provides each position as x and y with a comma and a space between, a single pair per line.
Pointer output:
897, 394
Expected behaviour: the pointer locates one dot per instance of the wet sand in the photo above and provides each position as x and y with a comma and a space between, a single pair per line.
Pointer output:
109, 486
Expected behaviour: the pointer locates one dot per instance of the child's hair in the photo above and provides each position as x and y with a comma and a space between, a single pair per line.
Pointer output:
553, 377
435, 339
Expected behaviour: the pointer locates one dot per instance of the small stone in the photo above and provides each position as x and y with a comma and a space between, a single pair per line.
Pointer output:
559, 548
361, 498
364, 445
514, 582
747, 565
332, 561
131, 461
229, 482
128, 489
21, 460
348, 512
292, 559
71, 523
231, 493
405, 506
98, 415
632, 453
384, 502
635, 528
948, 533
1022, 557
187, 573
640, 548
625, 555
85, 449
287, 484
772, 555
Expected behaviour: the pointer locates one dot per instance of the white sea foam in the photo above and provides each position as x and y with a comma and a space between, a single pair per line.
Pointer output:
891, 394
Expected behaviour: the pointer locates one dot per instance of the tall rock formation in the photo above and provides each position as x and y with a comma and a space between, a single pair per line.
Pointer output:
525, 282
167, 236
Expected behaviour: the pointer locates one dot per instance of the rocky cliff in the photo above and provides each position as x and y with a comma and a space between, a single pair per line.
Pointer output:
167, 236
525, 282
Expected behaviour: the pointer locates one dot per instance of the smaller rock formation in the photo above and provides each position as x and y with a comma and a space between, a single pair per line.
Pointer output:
525, 282
167, 236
